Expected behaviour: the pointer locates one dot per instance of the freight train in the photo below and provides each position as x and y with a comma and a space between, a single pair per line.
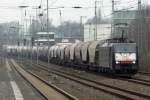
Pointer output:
115, 56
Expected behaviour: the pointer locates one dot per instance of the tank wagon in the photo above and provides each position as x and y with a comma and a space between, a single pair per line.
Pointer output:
112, 55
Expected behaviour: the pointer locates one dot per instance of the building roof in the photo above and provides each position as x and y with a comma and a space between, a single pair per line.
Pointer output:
44, 40
44, 33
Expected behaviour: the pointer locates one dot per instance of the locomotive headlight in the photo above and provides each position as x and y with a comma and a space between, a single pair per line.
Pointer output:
117, 62
133, 62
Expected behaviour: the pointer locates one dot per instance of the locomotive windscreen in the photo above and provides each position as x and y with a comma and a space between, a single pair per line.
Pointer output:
125, 47
125, 52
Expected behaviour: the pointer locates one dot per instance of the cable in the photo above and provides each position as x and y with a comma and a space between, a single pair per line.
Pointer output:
128, 4
8, 7
132, 1
53, 2
120, 10
40, 4
133, 5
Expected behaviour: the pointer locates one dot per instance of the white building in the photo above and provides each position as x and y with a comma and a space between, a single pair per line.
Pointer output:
103, 32
44, 38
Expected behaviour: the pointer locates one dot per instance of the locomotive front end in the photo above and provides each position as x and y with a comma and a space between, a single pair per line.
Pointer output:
125, 58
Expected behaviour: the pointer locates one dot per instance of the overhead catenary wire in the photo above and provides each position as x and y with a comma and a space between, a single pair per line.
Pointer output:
41, 2
120, 10
128, 2
53, 2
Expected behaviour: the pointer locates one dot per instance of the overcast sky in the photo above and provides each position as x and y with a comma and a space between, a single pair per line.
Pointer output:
10, 12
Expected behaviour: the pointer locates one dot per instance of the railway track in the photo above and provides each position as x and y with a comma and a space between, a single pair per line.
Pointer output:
140, 81
49, 91
97, 85
144, 73
134, 79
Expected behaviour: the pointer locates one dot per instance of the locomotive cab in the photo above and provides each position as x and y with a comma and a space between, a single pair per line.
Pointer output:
125, 58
